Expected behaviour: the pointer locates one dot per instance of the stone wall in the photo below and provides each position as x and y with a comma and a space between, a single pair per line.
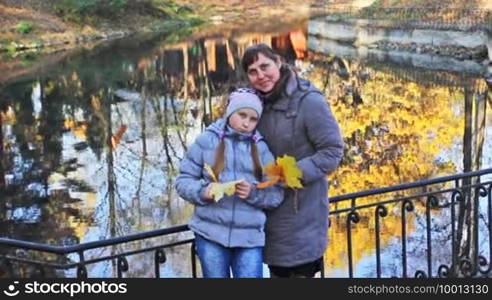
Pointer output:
475, 44
401, 58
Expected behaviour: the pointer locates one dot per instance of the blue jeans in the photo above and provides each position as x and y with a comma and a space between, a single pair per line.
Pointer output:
217, 260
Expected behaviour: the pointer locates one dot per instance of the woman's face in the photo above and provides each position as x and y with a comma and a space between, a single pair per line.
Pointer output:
244, 120
264, 73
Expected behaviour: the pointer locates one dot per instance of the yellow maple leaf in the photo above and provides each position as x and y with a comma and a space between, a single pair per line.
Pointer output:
274, 174
291, 173
285, 169
210, 172
217, 190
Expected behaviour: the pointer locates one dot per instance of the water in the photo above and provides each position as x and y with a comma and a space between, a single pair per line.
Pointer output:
92, 140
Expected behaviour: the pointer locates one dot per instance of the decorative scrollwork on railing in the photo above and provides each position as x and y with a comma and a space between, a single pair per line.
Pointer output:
122, 266
420, 274
353, 217
159, 258
484, 266
457, 196
466, 267
433, 201
443, 271
470, 264
408, 205
81, 271
482, 191
381, 211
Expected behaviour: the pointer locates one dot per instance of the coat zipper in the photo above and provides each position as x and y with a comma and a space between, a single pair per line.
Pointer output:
233, 142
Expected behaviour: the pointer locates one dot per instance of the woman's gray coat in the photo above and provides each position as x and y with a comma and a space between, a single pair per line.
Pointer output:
301, 125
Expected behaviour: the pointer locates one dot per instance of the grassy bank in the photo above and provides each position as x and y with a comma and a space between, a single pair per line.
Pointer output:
32, 24
451, 11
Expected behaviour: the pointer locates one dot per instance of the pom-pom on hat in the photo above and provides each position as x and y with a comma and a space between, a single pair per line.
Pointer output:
244, 98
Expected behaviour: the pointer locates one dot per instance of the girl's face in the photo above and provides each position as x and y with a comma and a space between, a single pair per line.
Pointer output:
244, 120
264, 73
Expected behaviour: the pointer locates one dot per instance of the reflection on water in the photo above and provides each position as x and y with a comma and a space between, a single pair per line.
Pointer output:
90, 146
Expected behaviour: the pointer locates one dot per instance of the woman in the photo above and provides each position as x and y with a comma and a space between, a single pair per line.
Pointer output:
296, 121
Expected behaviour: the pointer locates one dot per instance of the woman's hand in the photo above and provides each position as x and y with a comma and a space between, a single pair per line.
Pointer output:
243, 189
283, 184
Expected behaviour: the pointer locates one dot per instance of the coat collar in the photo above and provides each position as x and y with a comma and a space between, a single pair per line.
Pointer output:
290, 88
221, 129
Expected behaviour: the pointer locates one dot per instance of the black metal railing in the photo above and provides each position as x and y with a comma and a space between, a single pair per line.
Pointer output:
59, 262
469, 194
467, 233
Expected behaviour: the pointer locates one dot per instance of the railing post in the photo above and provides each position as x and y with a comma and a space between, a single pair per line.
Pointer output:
489, 211
353, 216
81, 269
480, 191
407, 205
431, 202
159, 258
122, 265
455, 198
193, 259
381, 211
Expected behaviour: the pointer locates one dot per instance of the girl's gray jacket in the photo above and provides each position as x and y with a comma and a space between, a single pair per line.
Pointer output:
301, 125
231, 222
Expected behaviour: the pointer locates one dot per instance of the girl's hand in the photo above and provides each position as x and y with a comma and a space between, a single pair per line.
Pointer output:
243, 189
206, 193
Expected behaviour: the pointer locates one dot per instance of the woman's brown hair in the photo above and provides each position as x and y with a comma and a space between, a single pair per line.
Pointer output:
251, 55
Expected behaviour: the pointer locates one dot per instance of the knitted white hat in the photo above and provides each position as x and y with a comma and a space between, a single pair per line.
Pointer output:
244, 98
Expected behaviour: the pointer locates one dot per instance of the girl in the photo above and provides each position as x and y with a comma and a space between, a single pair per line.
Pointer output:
229, 233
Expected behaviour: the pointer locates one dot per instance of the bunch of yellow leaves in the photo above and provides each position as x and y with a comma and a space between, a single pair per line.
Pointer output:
284, 170
218, 189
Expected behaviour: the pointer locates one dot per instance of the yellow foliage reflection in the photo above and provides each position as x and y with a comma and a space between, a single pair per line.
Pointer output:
395, 131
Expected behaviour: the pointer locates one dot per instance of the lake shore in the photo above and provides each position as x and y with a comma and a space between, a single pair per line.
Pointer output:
23, 27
